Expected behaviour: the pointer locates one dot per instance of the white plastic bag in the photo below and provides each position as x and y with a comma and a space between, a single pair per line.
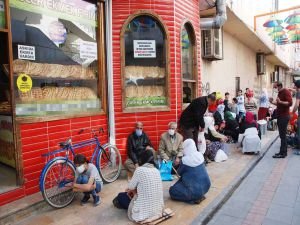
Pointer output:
201, 143
221, 156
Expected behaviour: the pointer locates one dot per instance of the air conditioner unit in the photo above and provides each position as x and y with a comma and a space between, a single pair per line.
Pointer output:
212, 44
261, 63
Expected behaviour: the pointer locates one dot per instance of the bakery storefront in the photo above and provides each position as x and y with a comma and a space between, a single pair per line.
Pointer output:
52, 81
76, 64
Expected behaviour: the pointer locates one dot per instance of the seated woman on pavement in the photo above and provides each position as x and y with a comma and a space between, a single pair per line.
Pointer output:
214, 140
144, 196
194, 181
231, 127
249, 122
137, 143
87, 179
170, 145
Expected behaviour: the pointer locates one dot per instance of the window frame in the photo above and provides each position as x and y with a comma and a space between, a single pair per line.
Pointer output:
167, 57
192, 34
102, 75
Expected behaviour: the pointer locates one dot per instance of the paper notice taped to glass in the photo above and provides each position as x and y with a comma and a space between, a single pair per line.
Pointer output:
26, 52
88, 50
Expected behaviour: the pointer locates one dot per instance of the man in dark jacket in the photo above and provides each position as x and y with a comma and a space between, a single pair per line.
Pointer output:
191, 119
137, 143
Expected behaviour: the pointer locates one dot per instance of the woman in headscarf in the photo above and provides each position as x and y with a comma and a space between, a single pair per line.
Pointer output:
231, 126
219, 114
263, 104
250, 103
214, 140
144, 196
194, 181
249, 122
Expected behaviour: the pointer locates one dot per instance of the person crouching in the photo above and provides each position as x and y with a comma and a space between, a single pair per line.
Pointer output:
87, 180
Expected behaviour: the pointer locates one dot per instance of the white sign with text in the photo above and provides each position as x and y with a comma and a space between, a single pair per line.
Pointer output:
88, 50
144, 48
26, 52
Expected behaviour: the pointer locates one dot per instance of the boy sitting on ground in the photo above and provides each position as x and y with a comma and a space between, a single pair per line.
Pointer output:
87, 180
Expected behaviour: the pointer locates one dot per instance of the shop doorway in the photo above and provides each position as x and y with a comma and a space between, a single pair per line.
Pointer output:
8, 171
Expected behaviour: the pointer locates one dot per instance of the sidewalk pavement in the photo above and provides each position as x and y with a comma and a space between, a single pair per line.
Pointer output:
224, 176
270, 195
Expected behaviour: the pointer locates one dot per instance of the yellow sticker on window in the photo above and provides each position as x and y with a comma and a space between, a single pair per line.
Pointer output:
24, 82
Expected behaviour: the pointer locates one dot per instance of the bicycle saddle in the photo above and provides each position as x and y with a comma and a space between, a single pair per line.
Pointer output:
65, 144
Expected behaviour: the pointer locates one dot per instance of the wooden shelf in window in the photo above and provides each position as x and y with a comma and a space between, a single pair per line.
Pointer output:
188, 80
3, 30
6, 70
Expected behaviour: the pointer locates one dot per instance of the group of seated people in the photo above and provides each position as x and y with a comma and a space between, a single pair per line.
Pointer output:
139, 199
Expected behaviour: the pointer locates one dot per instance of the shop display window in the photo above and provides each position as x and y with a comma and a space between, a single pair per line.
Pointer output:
188, 62
55, 57
144, 66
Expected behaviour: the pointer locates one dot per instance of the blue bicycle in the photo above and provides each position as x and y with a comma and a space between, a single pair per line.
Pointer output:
59, 172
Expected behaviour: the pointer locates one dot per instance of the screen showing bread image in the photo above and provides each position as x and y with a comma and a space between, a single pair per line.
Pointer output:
55, 61
144, 70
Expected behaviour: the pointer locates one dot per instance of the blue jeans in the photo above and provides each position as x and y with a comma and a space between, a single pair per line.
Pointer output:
84, 179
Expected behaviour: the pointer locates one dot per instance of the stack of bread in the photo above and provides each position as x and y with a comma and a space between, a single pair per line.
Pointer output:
52, 70
58, 93
5, 107
145, 91
144, 72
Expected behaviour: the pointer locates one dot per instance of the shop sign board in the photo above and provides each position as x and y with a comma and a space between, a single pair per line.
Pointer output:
26, 52
73, 10
144, 48
88, 50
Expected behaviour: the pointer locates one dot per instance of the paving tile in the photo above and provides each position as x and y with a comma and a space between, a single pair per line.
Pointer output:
285, 196
268, 221
226, 220
280, 213
296, 220
236, 208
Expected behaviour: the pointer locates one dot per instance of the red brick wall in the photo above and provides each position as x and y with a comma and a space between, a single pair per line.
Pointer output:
173, 14
39, 138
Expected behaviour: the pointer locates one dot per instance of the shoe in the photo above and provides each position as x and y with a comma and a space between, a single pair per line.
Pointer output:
279, 156
85, 199
97, 200
200, 200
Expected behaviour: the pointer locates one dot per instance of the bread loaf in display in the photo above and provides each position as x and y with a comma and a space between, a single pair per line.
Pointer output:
144, 72
145, 91
52, 70
58, 93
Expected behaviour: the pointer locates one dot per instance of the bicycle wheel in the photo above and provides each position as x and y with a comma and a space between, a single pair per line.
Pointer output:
57, 174
109, 163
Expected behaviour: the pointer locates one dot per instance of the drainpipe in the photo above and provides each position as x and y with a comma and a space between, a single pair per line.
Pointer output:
218, 21
111, 109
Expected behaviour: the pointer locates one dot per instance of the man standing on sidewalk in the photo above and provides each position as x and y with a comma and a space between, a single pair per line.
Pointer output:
283, 102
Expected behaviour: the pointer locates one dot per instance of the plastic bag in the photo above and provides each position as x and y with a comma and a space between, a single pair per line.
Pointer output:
221, 156
165, 171
201, 143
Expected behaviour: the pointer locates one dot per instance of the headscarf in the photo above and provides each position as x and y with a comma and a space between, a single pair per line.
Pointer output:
264, 98
209, 123
221, 109
191, 157
249, 119
228, 116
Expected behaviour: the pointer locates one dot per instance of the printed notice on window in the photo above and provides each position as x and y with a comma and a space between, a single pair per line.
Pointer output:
88, 50
26, 52
144, 48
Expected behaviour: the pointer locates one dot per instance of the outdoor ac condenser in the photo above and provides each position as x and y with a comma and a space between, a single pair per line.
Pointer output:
212, 44
261, 63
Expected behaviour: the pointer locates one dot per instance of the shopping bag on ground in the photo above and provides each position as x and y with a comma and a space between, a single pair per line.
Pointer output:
201, 143
221, 156
165, 171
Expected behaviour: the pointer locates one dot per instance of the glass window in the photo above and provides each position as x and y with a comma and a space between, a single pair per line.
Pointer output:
144, 72
55, 61
187, 63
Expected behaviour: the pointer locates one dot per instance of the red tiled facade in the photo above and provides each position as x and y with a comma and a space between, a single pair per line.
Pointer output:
39, 138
